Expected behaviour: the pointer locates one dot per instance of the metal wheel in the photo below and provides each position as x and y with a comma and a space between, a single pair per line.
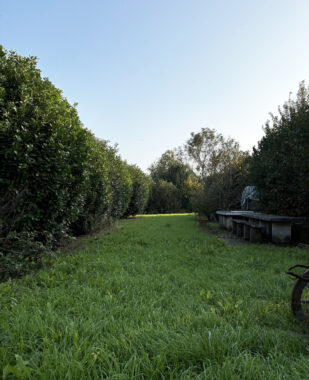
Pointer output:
300, 298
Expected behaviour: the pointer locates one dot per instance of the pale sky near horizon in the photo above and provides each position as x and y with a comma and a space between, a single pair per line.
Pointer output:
146, 73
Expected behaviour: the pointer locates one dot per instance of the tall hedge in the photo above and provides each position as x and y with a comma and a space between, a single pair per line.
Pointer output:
108, 187
140, 191
56, 178
280, 163
43, 150
121, 183
97, 190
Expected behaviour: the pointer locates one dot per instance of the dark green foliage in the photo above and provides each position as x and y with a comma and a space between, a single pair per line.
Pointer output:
223, 190
56, 178
214, 180
140, 191
42, 153
164, 198
18, 252
108, 188
121, 183
280, 164
222, 168
97, 189
171, 168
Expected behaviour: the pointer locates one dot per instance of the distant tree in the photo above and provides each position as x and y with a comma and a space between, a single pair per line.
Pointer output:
222, 190
280, 163
222, 169
172, 168
164, 198
210, 152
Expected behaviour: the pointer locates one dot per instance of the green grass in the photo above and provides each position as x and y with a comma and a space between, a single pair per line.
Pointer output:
158, 298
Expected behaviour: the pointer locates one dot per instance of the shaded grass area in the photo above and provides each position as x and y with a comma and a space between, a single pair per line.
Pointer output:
158, 298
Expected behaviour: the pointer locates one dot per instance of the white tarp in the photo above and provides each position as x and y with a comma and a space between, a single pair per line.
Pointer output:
249, 193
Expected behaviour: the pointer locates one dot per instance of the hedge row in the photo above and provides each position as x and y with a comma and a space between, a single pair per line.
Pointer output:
280, 163
56, 178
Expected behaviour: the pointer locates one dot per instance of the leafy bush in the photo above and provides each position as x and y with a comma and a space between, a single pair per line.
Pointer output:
220, 166
97, 204
172, 168
18, 251
43, 150
108, 187
164, 198
140, 191
55, 176
222, 190
280, 164
121, 184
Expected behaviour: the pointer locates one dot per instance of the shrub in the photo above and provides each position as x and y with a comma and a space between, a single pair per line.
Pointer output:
280, 164
96, 210
171, 168
43, 150
164, 198
121, 183
223, 190
140, 191
55, 176
18, 252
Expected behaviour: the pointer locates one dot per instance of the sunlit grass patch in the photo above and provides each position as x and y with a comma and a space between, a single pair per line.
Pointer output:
163, 215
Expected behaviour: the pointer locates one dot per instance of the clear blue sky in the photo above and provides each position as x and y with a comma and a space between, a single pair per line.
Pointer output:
146, 73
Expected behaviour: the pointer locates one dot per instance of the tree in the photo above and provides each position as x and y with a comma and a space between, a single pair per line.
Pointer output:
171, 168
164, 198
222, 190
210, 152
280, 163
222, 169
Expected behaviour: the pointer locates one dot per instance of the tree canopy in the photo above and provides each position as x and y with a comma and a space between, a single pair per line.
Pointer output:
210, 152
171, 168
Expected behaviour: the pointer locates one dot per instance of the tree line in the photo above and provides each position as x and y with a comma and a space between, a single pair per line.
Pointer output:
209, 172
206, 174
58, 180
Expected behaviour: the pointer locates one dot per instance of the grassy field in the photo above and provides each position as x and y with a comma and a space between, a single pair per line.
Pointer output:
158, 298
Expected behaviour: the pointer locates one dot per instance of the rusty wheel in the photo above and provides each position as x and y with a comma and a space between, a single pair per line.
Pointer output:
300, 299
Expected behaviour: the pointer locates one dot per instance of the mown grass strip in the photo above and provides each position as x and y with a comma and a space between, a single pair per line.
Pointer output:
158, 298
